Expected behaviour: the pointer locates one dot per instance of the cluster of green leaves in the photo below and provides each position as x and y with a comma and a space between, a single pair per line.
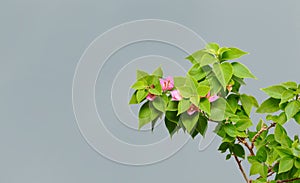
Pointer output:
211, 74
277, 154
212, 63
146, 84
283, 97
273, 155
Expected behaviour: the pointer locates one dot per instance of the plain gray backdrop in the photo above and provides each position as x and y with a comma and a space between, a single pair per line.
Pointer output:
41, 43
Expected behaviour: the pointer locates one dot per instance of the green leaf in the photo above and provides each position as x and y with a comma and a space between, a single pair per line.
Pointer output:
196, 56
214, 84
185, 91
281, 136
297, 117
133, 99
292, 109
139, 85
202, 125
197, 72
230, 129
233, 100
171, 126
275, 91
222, 50
191, 59
262, 154
141, 95
153, 122
179, 81
194, 133
172, 106
220, 110
228, 156
155, 85
238, 150
272, 156
159, 104
155, 114
140, 74
155, 91
258, 168
296, 148
202, 90
233, 53
269, 106
219, 74
289, 84
243, 124
281, 118
241, 71
183, 106
285, 164
172, 116
238, 80
207, 59
254, 101
189, 121
205, 105
283, 151
297, 163
227, 71
247, 103
224, 146
286, 96
212, 46
158, 72
260, 125
262, 180
192, 84
241, 134
144, 115
195, 100
252, 159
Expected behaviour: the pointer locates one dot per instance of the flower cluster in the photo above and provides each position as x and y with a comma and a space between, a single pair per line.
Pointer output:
167, 85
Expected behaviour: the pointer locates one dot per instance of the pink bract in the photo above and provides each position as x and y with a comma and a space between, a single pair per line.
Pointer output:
167, 84
176, 95
151, 97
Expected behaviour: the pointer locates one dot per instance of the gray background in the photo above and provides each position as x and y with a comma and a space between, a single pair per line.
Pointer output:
41, 43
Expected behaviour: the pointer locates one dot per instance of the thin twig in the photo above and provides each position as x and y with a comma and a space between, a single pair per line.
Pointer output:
259, 133
243, 141
270, 174
288, 180
241, 168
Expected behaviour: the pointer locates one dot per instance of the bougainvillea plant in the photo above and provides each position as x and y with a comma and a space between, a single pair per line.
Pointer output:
210, 92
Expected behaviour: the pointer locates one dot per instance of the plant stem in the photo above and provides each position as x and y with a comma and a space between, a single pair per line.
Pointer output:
259, 133
243, 141
241, 168
288, 180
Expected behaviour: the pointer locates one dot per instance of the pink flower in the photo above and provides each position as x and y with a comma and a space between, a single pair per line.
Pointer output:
150, 97
176, 95
167, 84
212, 98
192, 109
